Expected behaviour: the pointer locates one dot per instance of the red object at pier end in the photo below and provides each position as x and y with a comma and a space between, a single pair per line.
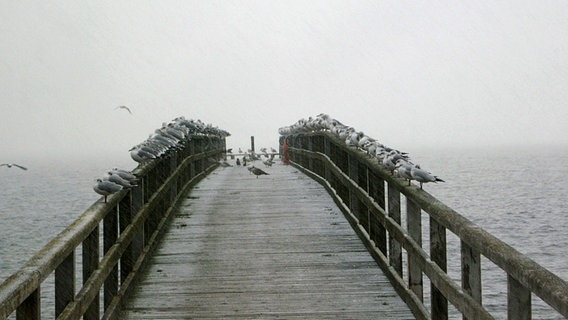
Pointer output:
286, 156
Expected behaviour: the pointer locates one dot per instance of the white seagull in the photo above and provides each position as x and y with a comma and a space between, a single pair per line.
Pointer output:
105, 188
423, 176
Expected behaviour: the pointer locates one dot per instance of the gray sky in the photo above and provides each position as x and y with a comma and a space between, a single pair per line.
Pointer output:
409, 73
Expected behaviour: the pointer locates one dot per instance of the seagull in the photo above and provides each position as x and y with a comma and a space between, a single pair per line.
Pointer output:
116, 178
257, 172
124, 107
105, 188
403, 169
10, 165
268, 162
126, 175
423, 176
225, 164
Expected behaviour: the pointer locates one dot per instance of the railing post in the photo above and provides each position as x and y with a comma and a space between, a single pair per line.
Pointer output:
90, 264
327, 152
310, 146
414, 225
64, 283
124, 219
518, 300
471, 272
376, 187
439, 256
30, 309
353, 173
110, 234
395, 249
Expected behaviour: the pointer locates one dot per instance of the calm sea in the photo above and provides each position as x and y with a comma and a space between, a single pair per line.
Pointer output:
517, 194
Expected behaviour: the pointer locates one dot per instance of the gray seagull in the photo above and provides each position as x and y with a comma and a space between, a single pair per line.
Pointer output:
124, 107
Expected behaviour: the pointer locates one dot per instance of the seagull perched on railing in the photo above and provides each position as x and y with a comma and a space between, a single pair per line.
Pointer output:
10, 165
127, 175
116, 178
423, 176
105, 188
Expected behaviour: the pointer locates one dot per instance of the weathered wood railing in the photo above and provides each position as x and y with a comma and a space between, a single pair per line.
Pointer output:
131, 222
371, 199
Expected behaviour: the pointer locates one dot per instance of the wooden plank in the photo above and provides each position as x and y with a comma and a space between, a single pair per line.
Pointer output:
272, 247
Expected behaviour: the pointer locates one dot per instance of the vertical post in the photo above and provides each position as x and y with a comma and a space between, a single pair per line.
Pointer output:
353, 173
90, 264
327, 152
64, 283
376, 187
395, 249
518, 300
124, 219
471, 272
192, 163
310, 146
174, 187
252, 143
439, 256
30, 309
110, 234
414, 225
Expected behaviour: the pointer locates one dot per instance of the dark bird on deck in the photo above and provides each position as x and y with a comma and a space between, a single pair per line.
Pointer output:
10, 165
257, 172
124, 107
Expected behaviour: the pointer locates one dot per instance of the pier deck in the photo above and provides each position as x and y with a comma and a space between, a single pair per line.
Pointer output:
275, 246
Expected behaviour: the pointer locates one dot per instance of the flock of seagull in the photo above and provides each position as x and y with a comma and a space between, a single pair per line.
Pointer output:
169, 138
397, 162
250, 156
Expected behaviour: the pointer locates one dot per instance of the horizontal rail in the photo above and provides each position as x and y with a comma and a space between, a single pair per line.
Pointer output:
314, 152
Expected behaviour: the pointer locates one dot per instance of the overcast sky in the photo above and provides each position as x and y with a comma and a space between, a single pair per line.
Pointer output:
408, 73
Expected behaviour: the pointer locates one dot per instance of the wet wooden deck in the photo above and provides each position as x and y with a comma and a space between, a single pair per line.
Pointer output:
262, 248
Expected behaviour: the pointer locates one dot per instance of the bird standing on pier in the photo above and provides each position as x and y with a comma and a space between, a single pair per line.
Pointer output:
105, 188
423, 176
10, 165
116, 178
125, 174
403, 169
257, 171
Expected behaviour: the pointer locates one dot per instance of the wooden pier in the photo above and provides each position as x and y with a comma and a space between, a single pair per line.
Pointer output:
272, 247
194, 240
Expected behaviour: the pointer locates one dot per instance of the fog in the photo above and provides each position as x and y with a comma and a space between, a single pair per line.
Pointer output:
410, 74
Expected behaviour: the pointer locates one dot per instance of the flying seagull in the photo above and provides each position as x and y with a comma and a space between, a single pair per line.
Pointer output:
124, 107
10, 165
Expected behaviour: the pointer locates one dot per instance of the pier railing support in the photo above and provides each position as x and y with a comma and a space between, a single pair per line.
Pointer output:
357, 184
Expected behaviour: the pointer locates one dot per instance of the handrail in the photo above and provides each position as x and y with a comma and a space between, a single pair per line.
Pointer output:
524, 275
131, 221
